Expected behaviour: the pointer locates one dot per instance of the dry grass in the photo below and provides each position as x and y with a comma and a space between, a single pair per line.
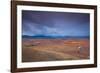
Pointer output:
54, 49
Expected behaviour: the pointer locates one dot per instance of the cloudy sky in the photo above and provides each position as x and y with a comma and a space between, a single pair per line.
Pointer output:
55, 23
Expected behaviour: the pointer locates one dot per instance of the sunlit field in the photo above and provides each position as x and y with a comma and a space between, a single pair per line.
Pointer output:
35, 50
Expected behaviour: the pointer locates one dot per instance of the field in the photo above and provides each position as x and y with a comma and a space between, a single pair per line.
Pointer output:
34, 50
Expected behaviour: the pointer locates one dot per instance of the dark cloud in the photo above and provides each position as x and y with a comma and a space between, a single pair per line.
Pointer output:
55, 23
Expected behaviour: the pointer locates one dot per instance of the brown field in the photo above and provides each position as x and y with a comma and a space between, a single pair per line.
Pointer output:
35, 50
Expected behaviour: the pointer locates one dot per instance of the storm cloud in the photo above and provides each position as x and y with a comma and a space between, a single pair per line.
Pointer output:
55, 23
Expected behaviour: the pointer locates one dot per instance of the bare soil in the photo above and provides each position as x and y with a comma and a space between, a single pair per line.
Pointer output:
34, 50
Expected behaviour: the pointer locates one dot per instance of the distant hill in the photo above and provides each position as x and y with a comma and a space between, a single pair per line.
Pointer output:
44, 36
37, 36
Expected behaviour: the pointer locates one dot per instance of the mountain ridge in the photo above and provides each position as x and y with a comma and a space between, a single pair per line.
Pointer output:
45, 36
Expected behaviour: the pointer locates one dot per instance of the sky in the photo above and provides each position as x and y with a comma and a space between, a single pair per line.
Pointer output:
55, 23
